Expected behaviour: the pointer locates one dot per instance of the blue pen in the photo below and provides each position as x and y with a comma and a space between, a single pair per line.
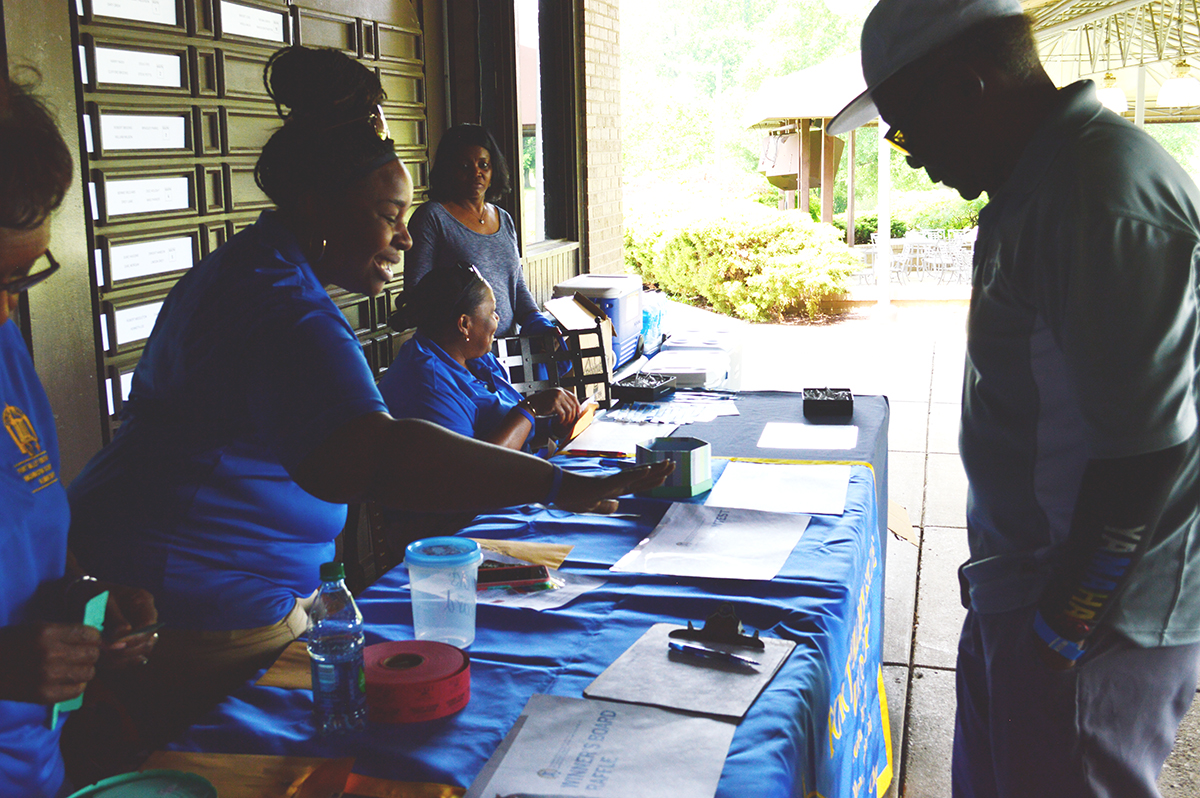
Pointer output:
710, 653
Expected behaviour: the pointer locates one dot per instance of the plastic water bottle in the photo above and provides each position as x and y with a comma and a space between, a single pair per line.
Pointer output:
335, 647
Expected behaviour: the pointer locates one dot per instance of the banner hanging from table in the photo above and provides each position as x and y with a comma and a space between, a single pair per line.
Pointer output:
859, 739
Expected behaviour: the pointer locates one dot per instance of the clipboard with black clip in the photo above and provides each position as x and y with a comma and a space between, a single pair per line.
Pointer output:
650, 673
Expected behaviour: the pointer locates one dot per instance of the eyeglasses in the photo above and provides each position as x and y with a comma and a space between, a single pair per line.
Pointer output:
19, 284
895, 137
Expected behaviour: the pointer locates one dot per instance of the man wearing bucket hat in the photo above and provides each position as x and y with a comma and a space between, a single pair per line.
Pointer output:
1080, 650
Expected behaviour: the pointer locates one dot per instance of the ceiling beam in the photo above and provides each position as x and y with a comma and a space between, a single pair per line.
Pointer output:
1083, 19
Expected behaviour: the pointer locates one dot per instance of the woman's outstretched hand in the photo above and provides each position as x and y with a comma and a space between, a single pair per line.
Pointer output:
588, 494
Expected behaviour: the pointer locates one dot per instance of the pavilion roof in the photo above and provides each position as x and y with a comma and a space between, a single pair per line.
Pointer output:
1076, 38
818, 92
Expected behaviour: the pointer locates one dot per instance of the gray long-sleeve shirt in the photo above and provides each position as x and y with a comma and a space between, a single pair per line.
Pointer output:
440, 240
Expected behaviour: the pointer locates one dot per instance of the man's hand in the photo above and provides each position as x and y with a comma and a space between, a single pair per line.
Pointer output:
1058, 650
45, 663
1053, 660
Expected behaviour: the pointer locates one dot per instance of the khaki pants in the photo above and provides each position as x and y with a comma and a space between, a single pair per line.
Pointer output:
131, 713
189, 659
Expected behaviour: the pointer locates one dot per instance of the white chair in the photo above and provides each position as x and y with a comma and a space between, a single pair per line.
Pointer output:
961, 251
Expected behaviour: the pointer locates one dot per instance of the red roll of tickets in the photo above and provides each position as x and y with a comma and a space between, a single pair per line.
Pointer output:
415, 680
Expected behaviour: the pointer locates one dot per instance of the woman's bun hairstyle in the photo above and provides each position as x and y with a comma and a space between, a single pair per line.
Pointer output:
435, 304
441, 180
35, 164
328, 136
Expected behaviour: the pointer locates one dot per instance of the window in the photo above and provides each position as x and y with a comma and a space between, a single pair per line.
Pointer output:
546, 172
527, 174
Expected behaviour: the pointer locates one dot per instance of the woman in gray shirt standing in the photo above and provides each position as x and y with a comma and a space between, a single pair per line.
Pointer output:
460, 224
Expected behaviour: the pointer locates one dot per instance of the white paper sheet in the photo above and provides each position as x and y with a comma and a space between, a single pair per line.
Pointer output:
141, 132
680, 408
147, 195
721, 404
256, 23
573, 747
785, 435
613, 436
782, 488
135, 323
144, 258
160, 11
137, 68
716, 542
126, 383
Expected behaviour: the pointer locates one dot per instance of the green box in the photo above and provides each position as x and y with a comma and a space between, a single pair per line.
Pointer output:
693, 465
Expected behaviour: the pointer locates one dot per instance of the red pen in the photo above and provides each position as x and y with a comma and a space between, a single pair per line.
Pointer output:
596, 453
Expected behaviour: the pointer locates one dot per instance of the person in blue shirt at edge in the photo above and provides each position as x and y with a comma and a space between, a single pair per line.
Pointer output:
460, 224
44, 659
254, 418
446, 373
1081, 400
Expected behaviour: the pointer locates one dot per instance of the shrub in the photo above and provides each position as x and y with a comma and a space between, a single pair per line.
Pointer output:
865, 225
949, 214
936, 209
756, 263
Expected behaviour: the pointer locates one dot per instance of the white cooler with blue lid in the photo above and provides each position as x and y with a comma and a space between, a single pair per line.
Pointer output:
620, 297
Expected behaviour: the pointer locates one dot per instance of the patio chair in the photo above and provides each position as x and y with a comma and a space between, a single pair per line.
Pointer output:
961, 250
864, 274
589, 374
919, 251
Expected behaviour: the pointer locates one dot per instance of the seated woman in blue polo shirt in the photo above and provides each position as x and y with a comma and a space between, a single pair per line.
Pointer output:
446, 373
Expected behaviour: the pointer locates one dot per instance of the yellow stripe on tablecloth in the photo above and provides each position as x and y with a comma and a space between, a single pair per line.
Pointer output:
885, 778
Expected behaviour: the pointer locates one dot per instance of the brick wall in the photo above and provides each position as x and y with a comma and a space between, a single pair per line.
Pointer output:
603, 236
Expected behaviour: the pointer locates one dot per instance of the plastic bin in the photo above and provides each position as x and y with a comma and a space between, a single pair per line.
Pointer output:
620, 297
652, 322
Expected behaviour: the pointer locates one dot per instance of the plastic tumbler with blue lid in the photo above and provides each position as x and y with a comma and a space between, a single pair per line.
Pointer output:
442, 574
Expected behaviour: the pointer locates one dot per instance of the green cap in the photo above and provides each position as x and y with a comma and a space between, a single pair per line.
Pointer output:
332, 571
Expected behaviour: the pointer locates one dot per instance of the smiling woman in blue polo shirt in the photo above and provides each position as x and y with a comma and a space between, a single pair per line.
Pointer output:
254, 419
446, 373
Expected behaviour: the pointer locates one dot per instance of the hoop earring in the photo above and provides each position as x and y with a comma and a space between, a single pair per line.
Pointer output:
320, 254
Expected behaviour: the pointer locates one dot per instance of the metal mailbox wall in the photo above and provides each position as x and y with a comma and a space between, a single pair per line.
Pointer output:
173, 114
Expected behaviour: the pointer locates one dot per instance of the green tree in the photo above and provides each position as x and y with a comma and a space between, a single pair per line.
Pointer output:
688, 68
1182, 141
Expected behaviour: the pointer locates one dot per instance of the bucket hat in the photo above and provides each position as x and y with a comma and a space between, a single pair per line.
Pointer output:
898, 32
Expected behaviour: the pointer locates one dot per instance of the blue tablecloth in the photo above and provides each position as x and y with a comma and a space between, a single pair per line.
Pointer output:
820, 727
